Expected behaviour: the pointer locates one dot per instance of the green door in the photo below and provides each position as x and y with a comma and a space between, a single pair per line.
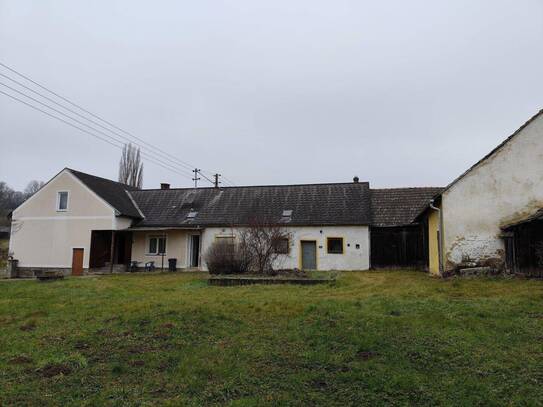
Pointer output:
309, 255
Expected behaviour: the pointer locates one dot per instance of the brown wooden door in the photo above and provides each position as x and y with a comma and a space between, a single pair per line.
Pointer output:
77, 262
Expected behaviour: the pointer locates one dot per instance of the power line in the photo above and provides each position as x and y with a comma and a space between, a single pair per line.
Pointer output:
88, 112
162, 156
91, 134
228, 180
78, 121
181, 162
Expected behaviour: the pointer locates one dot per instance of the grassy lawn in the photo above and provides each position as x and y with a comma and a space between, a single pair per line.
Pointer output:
373, 338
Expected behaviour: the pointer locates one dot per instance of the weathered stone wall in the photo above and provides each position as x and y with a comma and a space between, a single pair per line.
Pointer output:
29, 272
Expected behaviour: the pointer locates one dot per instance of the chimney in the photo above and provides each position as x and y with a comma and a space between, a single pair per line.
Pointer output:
164, 185
356, 179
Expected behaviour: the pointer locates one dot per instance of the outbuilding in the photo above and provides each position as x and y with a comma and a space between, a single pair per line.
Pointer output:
490, 216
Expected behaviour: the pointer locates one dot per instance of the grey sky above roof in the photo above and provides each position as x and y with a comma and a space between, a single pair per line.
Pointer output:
275, 92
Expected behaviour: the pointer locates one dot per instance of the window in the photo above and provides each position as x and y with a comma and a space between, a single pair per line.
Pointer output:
225, 239
286, 217
335, 245
281, 246
157, 245
62, 201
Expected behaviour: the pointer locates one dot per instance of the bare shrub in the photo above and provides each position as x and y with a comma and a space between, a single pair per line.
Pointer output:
264, 242
226, 257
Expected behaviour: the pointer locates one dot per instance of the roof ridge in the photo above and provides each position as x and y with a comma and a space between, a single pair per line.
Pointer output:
403, 188
102, 178
256, 186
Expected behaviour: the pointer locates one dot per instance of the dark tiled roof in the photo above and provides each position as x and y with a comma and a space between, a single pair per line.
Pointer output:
112, 192
399, 206
316, 204
311, 204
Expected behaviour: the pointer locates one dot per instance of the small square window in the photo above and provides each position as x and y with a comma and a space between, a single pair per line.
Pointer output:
62, 201
334, 245
281, 246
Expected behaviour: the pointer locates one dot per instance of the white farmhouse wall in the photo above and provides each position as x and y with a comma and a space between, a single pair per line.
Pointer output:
506, 187
43, 237
351, 259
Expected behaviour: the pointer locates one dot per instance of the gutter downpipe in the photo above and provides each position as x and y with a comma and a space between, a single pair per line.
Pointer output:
440, 230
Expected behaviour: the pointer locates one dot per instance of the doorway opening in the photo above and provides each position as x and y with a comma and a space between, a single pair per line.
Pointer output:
194, 251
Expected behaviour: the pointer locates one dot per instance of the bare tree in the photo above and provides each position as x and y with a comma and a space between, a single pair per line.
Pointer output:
33, 187
264, 242
9, 198
131, 166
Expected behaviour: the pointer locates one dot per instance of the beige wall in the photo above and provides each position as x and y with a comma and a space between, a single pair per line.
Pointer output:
176, 247
43, 237
505, 188
81, 201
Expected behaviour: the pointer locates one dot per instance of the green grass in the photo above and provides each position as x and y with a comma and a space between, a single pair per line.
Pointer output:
373, 338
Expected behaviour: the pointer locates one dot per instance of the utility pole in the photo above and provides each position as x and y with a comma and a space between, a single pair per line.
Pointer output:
196, 178
217, 182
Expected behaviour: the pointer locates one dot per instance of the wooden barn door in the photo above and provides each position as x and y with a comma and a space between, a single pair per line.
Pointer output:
77, 262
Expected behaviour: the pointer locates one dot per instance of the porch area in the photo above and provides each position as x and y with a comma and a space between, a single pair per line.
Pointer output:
114, 251
110, 251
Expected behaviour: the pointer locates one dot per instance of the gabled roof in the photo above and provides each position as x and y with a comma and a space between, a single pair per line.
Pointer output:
496, 149
114, 193
311, 204
399, 206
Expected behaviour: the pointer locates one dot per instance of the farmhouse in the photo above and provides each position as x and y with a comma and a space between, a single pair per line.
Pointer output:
80, 223
492, 215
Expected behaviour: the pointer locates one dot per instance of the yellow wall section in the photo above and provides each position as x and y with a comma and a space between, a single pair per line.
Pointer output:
433, 247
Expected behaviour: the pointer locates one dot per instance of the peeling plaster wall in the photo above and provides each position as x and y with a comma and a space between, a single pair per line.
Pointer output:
506, 187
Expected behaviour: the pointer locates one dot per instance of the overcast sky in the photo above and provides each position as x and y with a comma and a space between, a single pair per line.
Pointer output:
400, 93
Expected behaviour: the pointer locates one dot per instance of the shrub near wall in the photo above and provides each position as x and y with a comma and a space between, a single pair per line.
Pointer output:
226, 258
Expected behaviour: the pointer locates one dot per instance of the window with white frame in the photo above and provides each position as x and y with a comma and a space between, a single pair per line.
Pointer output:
156, 245
62, 201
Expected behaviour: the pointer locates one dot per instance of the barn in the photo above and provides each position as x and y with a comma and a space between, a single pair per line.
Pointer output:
491, 216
